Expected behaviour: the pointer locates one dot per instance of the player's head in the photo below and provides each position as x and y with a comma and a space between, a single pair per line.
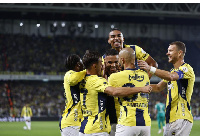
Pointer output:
176, 51
93, 62
127, 57
111, 61
73, 62
157, 101
116, 39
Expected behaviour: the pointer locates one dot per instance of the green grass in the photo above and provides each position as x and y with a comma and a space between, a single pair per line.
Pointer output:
48, 128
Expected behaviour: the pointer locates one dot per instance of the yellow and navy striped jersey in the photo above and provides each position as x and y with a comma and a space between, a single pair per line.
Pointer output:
140, 54
134, 108
26, 111
179, 94
93, 104
72, 114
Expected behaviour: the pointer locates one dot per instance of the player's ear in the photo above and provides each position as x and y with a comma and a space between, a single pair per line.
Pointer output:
108, 40
123, 60
123, 39
94, 66
180, 52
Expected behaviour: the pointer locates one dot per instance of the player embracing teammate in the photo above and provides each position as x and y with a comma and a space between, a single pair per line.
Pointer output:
128, 87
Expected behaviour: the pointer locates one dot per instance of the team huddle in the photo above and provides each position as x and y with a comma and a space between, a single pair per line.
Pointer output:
109, 94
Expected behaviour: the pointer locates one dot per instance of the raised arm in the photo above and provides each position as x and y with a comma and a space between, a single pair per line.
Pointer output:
151, 62
126, 91
158, 72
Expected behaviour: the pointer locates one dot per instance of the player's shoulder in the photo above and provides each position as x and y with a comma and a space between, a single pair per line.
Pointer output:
131, 46
185, 67
69, 72
142, 72
95, 78
117, 74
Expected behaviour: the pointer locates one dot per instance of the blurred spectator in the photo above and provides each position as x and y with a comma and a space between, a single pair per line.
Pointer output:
46, 54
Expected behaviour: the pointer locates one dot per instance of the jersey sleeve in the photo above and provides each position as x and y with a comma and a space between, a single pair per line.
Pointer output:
73, 78
31, 114
111, 80
165, 81
101, 84
140, 53
185, 72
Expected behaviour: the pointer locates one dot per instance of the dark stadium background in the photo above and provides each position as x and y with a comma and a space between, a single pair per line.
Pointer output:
36, 38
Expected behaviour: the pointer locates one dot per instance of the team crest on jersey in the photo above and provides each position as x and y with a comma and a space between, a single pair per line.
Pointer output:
185, 69
170, 86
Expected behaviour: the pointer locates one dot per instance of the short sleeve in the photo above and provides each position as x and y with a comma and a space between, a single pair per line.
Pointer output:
73, 78
101, 84
185, 72
111, 80
165, 81
140, 53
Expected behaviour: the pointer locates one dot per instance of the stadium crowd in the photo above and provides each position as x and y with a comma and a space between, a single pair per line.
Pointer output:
40, 54
45, 99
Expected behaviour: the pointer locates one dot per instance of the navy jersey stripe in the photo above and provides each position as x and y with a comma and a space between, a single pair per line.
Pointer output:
96, 117
83, 124
182, 87
102, 101
110, 109
125, 109
75, 94
60, 123
188, 106
168, 109
139, 117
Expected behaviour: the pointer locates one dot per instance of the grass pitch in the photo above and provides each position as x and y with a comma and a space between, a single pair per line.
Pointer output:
51, 128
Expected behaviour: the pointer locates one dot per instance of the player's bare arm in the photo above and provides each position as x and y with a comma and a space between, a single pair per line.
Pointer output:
158, 87
150, 61
125, 91
160, 73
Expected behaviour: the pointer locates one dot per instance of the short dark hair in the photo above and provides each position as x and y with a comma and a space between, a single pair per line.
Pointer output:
90, 57
71, 61
111, 52
180, 45
112, 29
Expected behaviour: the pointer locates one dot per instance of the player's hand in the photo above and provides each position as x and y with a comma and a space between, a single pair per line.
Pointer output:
147, 89
143, 65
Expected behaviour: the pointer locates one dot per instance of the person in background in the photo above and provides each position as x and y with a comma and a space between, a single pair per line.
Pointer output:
160, 115
27, 114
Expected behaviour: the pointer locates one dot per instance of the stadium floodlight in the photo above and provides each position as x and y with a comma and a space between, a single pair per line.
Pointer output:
79, 25
54, 24
21, 24
112, 26
63, 24
38, 25
96, 26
